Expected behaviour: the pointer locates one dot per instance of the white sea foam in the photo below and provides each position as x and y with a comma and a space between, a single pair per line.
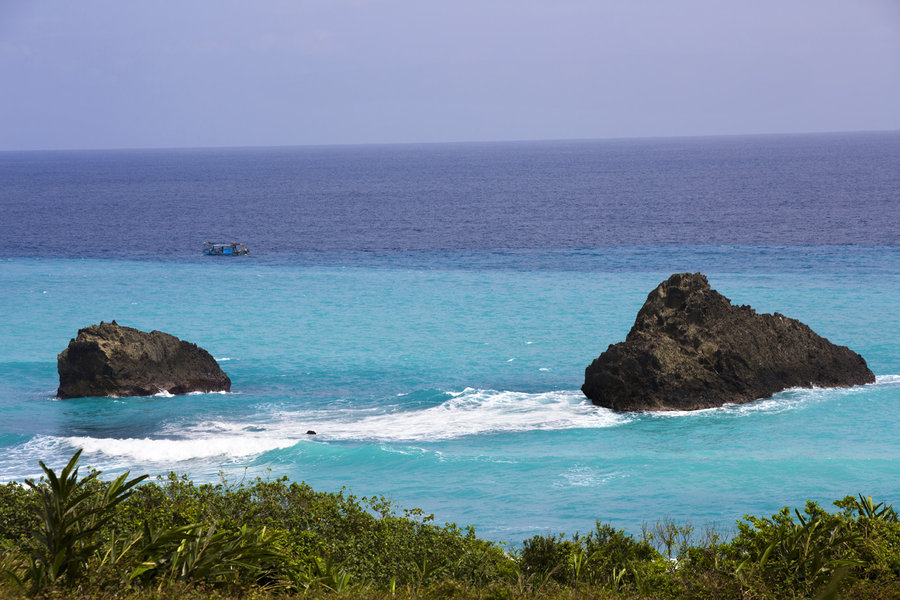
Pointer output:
585, 476
123, 453
38, 448
405, 450
775, 404
469, 412
788, 399
168, 450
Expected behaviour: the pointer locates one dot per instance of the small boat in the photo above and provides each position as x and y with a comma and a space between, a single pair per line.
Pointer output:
232, 249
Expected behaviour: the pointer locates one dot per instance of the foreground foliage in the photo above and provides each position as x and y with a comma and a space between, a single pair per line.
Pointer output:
66, 536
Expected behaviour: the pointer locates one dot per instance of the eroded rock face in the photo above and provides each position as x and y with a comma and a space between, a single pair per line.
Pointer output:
690, 348
111, 360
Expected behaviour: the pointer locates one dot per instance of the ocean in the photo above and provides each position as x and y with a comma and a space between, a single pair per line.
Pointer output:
429, 311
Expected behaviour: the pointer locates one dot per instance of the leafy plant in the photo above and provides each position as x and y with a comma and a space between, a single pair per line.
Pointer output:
71, 512
865, 507
11, 567
806, 554
198, 552
330, 576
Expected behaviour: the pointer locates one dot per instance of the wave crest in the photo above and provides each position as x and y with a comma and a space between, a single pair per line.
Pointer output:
167, 450
472, 412
886, 380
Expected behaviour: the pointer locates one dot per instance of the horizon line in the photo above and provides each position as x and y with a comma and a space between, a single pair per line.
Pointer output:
450, 142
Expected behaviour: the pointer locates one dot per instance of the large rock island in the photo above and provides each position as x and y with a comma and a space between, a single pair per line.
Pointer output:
690, 348
111, 360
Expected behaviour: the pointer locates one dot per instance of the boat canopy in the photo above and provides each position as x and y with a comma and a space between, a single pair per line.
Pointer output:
228, 248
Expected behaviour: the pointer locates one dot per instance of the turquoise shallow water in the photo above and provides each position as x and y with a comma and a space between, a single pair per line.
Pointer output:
449, 380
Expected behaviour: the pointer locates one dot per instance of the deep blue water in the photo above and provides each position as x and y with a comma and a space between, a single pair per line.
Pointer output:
430, 309
763, 191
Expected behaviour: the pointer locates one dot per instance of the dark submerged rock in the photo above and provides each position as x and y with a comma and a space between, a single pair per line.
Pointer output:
111, 360
690, 348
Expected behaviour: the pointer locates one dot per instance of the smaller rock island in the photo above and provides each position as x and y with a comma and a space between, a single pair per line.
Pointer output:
690, 348
111, 360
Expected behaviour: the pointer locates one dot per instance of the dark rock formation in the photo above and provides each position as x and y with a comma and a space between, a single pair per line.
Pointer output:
111, 360
691, 349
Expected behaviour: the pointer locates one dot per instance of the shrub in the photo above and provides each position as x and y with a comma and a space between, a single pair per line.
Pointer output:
70, 537
18, 513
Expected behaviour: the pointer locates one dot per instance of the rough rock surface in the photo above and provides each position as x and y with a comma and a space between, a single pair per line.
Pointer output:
691, 349
111, 360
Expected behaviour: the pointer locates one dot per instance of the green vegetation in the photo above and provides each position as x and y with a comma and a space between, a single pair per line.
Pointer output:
70, 537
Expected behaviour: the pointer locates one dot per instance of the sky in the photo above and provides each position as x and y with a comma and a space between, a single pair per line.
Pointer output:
199, 73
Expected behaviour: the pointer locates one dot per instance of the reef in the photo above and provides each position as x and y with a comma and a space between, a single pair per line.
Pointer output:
690, 349
111, 360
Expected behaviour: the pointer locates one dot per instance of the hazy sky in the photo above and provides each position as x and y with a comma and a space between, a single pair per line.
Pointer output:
151, 73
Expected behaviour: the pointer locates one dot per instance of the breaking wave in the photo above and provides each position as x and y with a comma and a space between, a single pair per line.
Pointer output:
788, 399
149, 450
163, 450
469, 412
